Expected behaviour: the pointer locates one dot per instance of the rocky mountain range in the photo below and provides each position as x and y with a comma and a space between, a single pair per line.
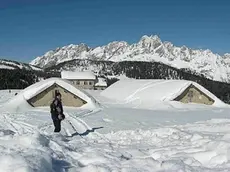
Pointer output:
148, 49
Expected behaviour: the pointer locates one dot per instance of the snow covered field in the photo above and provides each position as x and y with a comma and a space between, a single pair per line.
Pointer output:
116, 137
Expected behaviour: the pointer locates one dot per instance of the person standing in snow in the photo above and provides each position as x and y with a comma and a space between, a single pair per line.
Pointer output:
57, 112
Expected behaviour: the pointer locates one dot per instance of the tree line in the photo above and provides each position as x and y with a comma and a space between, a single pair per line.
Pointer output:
22, 78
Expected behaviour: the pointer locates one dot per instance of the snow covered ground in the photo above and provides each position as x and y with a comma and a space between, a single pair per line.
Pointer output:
116, 137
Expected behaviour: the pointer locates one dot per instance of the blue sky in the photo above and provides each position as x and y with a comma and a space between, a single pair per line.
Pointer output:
29, 28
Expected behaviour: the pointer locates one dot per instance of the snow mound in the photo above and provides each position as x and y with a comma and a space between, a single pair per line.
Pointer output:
19, 102
149, 93
25, 153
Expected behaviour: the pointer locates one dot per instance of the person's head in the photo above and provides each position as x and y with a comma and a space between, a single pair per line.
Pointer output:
58, 96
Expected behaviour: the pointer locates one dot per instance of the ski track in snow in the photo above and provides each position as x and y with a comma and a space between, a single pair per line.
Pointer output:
143, 87
202, 146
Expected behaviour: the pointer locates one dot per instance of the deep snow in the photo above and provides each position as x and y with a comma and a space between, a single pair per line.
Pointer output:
149, 93
116, 137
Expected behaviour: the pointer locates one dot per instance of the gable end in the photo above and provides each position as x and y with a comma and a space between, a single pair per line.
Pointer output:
45, 97
194, 95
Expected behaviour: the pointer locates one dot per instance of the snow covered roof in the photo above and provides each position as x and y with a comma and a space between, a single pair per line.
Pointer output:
101, 82
20, 100
148, 92
78, 75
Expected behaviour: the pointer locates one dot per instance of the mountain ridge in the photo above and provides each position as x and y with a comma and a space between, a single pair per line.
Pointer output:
148, 49
12, 65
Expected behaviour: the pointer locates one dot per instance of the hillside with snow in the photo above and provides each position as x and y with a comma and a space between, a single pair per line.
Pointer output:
11, 65
18, 75
148, 49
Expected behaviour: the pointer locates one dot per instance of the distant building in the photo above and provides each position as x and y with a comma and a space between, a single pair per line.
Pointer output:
84, 80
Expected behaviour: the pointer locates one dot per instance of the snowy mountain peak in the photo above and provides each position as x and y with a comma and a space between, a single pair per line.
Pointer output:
80, 47
148, 48
150, 38
113, 46
150, 42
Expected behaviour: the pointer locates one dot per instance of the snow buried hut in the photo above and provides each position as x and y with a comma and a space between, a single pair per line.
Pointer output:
149, 92
42, 93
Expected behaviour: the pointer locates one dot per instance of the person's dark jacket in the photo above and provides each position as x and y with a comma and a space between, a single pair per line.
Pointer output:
56, 109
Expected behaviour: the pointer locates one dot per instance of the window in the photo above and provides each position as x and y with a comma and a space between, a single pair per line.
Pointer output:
78, 82
90, 83
85, 83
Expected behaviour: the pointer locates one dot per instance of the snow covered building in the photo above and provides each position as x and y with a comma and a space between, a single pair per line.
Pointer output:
150, 92
84, 80
42, 93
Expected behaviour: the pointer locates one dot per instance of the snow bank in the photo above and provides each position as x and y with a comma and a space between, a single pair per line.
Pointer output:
149, 93
77, 75
19, 102
24, 153
6, 95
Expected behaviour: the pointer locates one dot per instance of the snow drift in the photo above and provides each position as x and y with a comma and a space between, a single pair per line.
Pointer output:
149, 93
19, 102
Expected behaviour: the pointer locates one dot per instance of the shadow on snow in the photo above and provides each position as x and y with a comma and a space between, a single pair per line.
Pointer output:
60, 165
86, 132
